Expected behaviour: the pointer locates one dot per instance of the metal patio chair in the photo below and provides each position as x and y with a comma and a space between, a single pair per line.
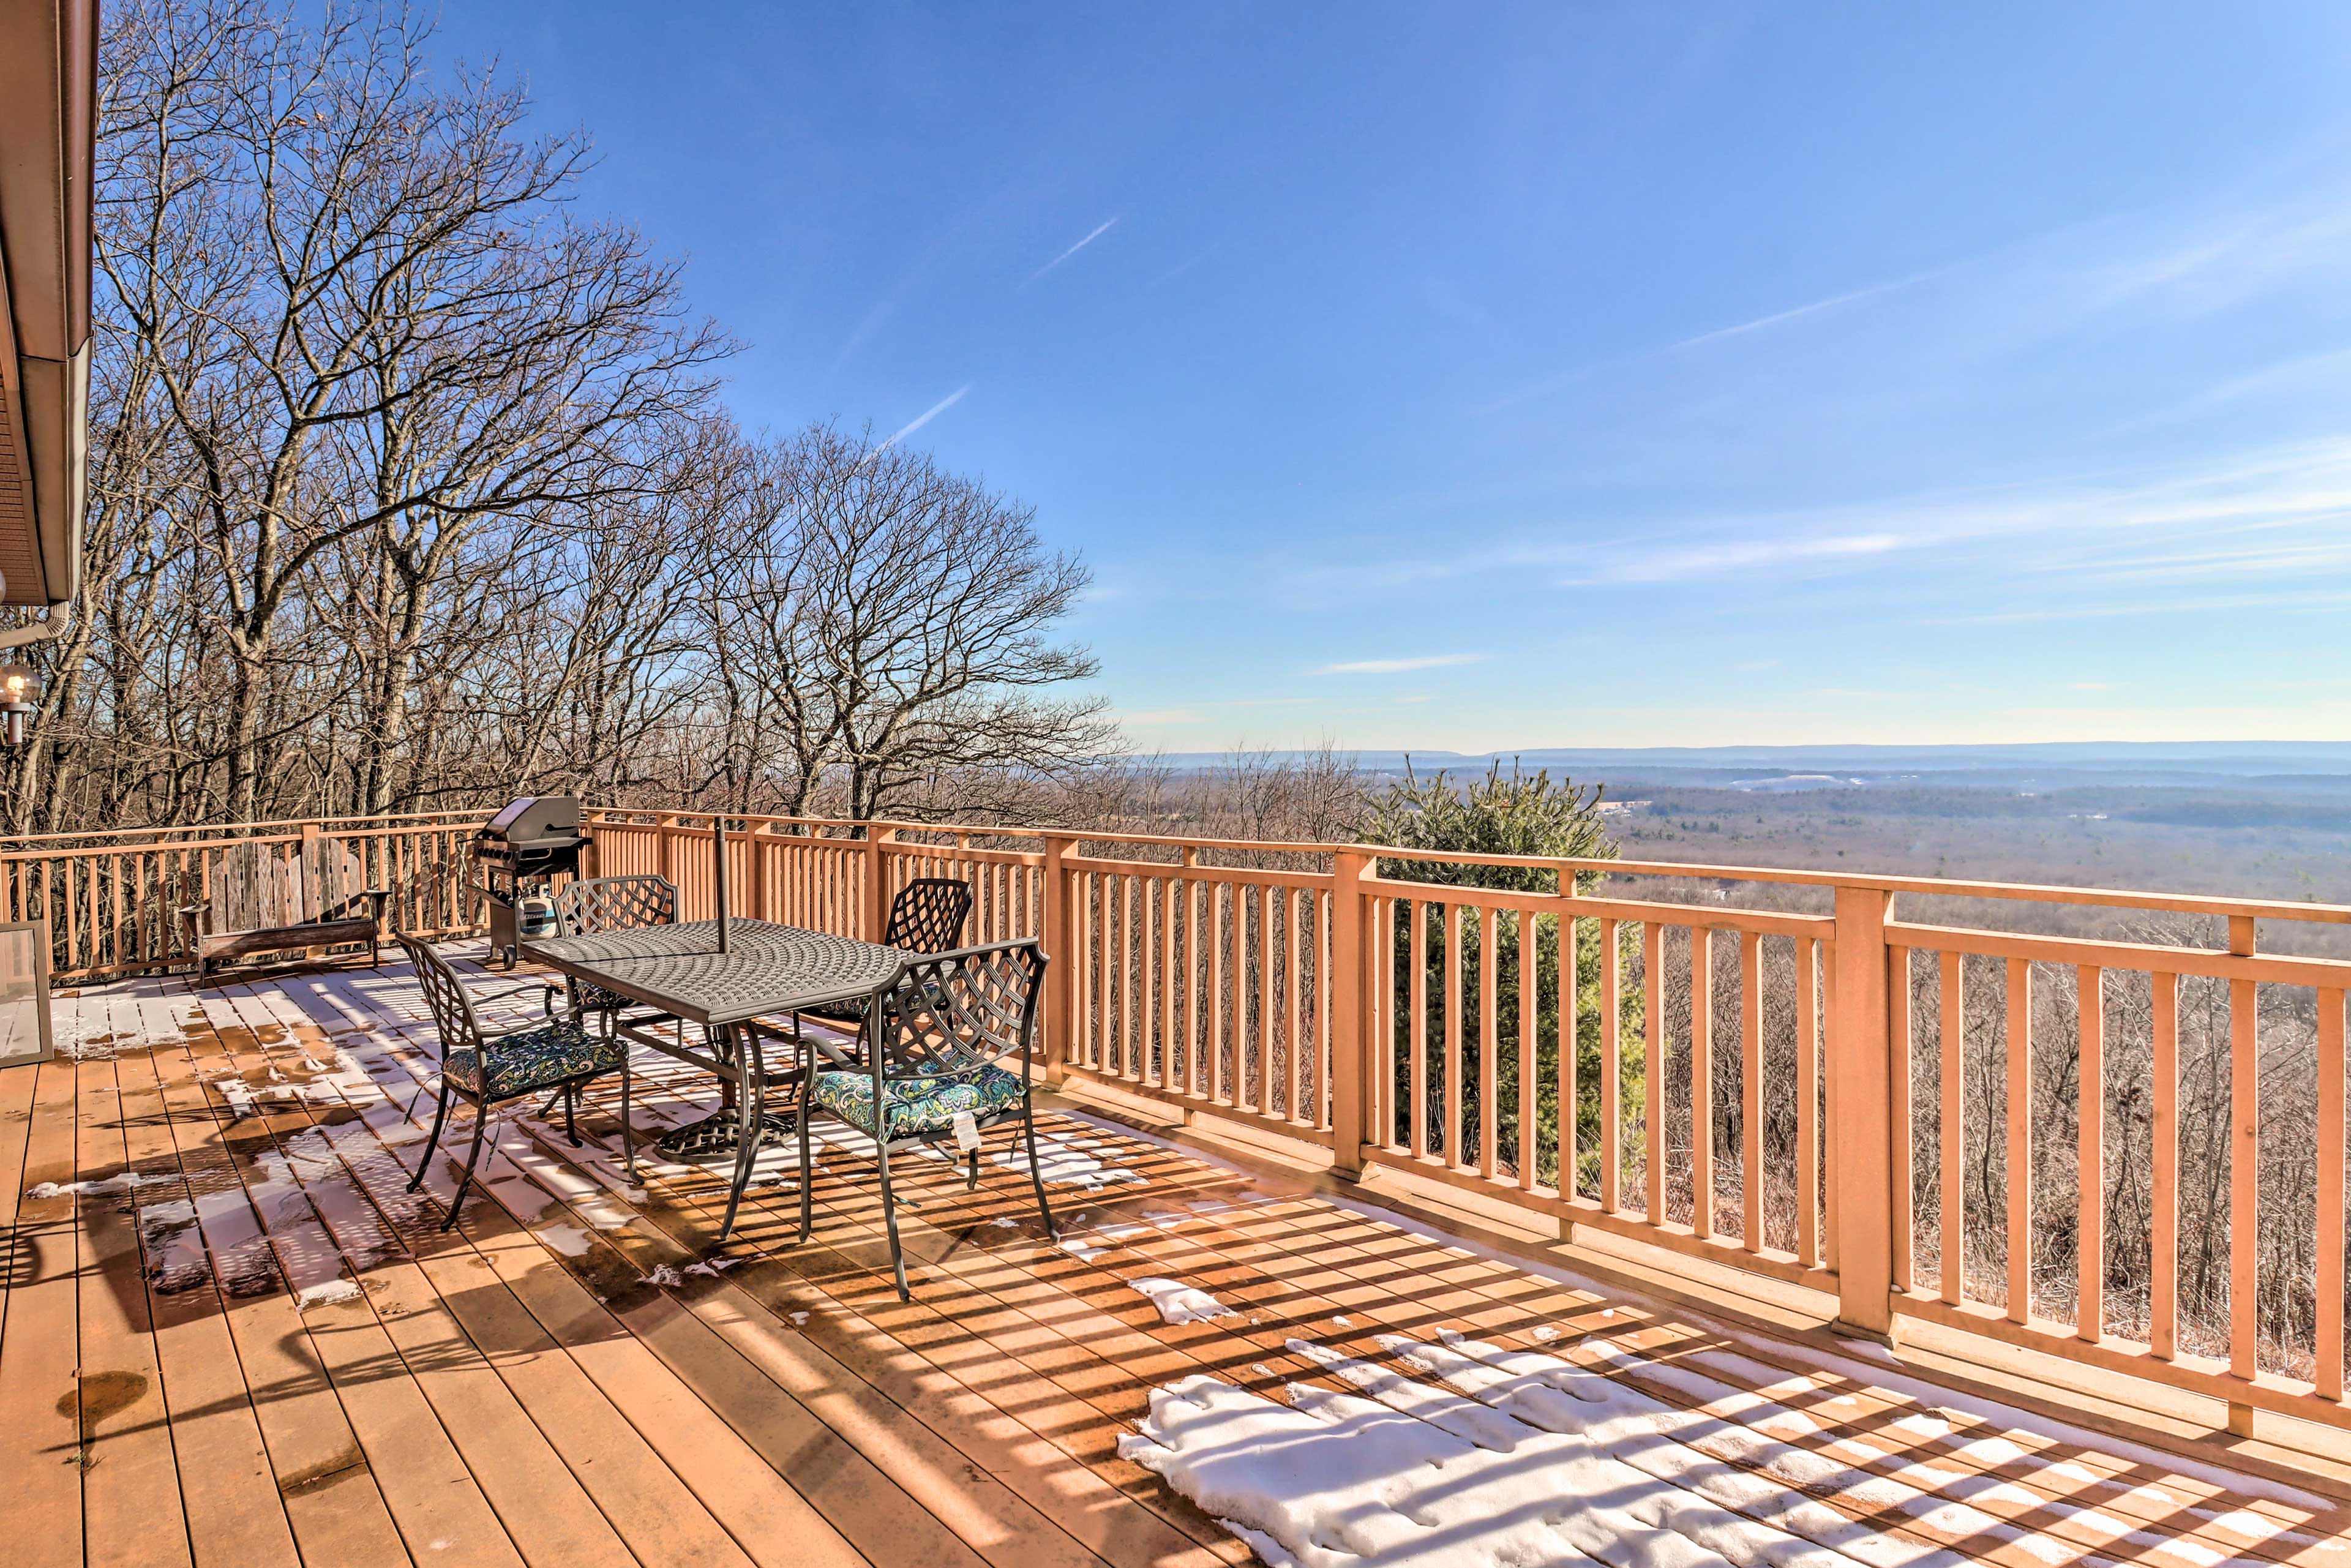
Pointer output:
589, 905
938, 1032
584, 907
487, 1068
926, 916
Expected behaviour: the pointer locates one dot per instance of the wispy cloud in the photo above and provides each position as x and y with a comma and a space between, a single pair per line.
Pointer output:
1798, 312
1099, 229
1397, 666
925, 417
1737, 555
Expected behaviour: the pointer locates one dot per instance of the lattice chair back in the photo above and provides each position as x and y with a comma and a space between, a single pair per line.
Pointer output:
948, 1015
928, 914
596, 903
453, 1009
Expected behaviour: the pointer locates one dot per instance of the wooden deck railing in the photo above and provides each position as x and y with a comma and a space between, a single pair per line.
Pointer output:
1914, 1118
111, 899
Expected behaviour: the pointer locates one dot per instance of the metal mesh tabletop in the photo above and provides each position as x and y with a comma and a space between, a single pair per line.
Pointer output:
768, 969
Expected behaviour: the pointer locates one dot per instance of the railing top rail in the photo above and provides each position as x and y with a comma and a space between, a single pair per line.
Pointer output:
1943, 887
29, 845
243, 829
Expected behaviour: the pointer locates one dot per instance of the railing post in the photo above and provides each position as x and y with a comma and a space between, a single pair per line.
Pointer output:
1061, 976
591, 855
1351, 1052
756, 833
877, 882
309, 879
665, 821
1860, 1065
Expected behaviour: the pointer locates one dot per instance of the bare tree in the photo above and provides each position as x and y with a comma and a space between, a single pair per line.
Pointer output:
899, 623
386, 326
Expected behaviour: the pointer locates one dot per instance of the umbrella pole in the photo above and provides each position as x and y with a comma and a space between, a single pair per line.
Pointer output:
718, 872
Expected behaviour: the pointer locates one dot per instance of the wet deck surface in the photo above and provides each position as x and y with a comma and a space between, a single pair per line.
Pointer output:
229, 1335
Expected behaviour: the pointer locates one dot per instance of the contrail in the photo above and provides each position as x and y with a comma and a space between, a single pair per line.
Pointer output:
925, 417
1101, 229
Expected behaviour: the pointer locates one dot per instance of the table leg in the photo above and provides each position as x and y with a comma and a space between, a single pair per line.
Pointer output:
750, 1062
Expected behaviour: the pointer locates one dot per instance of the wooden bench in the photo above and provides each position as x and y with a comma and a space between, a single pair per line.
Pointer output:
274, 898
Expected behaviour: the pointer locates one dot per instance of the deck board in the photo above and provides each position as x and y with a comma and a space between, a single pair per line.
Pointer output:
524, 1390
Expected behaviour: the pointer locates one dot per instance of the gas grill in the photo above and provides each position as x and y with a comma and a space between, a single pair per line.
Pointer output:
531, 840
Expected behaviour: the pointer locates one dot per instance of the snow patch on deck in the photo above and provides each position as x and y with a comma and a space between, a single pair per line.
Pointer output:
1179, 1302
326, 1294
1065, 1163
123, 1183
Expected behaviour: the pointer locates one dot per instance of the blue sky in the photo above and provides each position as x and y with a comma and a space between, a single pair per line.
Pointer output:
1469, 377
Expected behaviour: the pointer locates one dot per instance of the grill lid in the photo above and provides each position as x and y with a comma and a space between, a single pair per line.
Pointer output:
535, 820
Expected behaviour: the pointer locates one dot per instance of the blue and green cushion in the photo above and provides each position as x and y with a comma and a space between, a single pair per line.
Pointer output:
532, 1059
918, 1107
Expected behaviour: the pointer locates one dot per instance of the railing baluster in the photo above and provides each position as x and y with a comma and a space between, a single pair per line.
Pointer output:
1326, 1054
1131, 1015
1807, 960
1489, 1035
1569, 1096
1171, 1033
1416, 954
1083, 1035
2019, 1140
1240, 996
1951, 1136
1611, 1068
2090, 1221
1296, 997
1653, 954
1751, 1088
1216, 992
1267, 1000
1456, 1059
1898, 1043
2244, 1178
2163, 1241
1146, 967
1701, 1055
2330, 1195
1530, 1050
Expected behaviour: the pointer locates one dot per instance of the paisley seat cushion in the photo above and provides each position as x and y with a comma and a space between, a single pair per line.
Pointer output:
918, 1108
532, 1059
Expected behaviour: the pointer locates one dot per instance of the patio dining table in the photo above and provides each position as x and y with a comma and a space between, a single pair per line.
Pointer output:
734, 989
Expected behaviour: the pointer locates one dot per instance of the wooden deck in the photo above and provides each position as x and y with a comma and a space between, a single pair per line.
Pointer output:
229, 1336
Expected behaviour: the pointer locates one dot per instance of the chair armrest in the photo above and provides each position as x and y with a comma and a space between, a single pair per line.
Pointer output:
509, 991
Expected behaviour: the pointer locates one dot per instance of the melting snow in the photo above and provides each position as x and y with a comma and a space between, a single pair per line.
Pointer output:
1180, 1303
122, 1183
1064, 1161
1077, 1248
567, 1239
1518, 1457
325, 1295
667, 1278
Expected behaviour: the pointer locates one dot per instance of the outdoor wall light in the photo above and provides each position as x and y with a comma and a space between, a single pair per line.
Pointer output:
20, 696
